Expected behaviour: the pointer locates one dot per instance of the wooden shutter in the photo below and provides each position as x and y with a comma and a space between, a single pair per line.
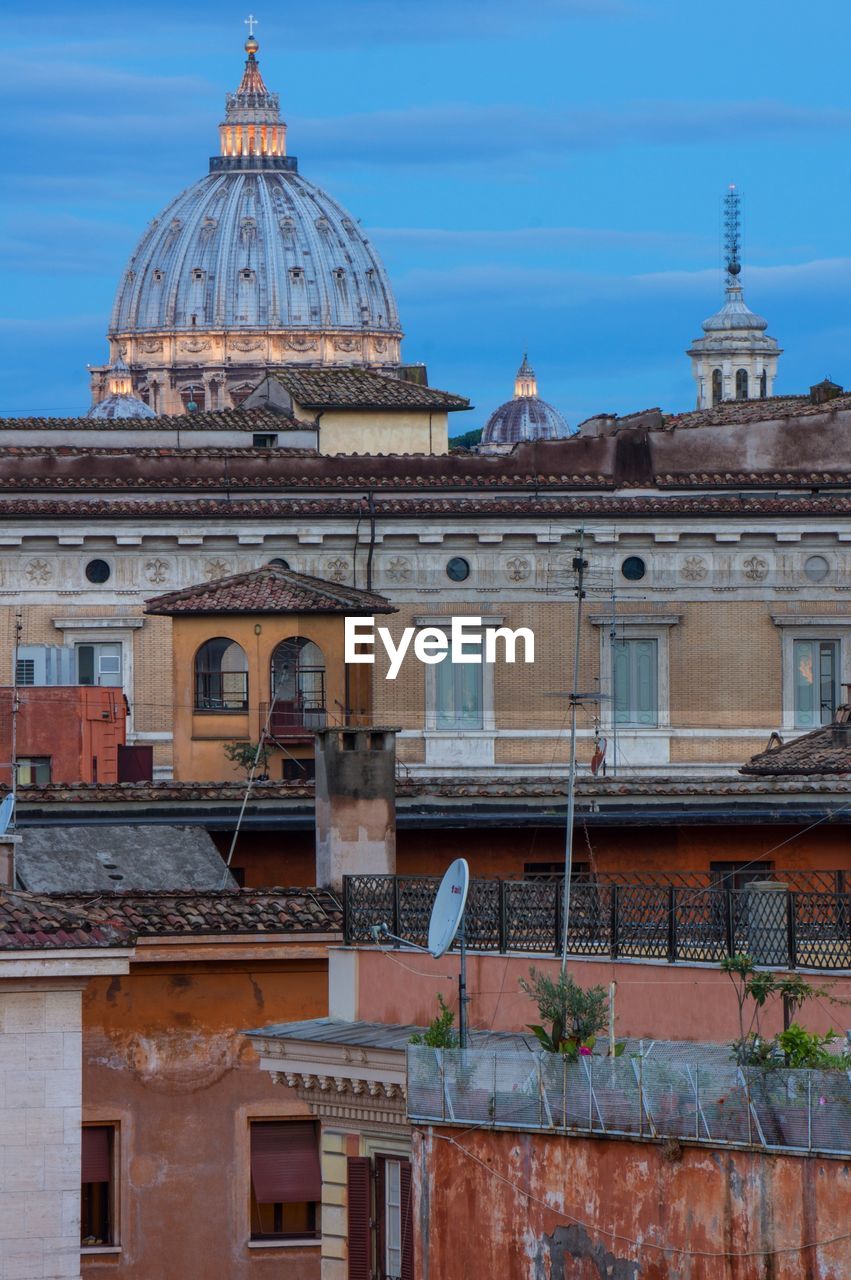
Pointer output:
621, 681
805, 676
285, 1162
407, 1221
94, 1154
359, 1215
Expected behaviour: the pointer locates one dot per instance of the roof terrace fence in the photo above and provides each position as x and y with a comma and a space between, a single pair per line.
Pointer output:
690, 1092
778, 926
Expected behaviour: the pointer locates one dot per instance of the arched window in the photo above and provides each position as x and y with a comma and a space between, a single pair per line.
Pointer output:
717, 386
763, 385
741, 384
221, 676
298, 687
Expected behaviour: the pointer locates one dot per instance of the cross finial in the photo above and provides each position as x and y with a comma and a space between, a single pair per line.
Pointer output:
251, 22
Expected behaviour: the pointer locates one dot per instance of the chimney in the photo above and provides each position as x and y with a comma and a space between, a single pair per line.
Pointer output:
355, 803
7, 859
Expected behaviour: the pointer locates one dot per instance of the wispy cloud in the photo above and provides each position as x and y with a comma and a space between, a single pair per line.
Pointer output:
462, 133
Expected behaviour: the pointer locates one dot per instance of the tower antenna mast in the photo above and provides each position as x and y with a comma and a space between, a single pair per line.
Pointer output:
733, 234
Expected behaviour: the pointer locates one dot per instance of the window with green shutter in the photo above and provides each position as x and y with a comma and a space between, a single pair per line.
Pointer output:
635, 682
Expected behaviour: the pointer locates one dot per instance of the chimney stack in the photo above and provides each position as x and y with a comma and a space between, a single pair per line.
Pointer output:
355, 803
7, 859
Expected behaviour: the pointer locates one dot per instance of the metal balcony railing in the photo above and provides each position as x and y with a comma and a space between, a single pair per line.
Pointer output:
785, 928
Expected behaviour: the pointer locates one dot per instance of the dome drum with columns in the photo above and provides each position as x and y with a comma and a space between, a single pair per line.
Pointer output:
251, 268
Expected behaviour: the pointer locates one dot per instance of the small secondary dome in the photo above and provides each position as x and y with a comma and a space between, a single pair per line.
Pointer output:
120, 401
526, 416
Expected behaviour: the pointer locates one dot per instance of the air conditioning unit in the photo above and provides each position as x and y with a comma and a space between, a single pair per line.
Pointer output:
40, 664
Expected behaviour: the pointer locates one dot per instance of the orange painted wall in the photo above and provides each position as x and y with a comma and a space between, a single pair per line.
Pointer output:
199, 736
653, 1000
607, 1205
80, 728
164, 1058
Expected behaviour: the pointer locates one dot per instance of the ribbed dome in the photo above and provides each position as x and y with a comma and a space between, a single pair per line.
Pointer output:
735, 314
254, 250
526, 416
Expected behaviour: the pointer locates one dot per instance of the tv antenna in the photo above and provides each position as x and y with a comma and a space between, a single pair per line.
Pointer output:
446, 923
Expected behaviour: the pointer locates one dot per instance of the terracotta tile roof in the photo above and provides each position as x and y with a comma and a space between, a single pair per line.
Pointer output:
33, 922
420, 787
260, 419
534, 506
823, 751
355, 388
268, 590
249, 911
771, 409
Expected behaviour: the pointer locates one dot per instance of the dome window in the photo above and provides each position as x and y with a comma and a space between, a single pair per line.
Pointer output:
717, 387
296, 273
158, 277
741, 384
198, 276
247, 274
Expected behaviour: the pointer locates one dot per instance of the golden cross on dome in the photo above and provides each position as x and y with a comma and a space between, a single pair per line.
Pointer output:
251, 22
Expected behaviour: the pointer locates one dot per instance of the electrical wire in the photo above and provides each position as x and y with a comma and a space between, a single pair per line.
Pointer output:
638, 1244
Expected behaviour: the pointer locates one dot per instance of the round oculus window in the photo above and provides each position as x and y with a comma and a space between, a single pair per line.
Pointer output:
98, 571
816, 568
458, 569
633, 568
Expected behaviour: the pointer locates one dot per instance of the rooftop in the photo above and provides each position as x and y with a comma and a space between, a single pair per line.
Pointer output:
269, 589
356, 388
143, 857
164, 914
259, 419
824, 751
34, 922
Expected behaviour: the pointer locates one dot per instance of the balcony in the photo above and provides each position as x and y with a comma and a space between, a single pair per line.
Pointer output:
785, 923
294, 721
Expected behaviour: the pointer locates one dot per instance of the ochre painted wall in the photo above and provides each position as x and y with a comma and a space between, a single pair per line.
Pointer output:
412, 431
164, 1059
200, 737
622, 1210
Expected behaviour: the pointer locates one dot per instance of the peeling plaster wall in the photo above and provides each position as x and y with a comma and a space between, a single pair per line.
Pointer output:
471, 1222
165, 1060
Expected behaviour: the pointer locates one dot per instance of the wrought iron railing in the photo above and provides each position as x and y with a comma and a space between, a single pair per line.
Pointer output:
778, 926
689, 1092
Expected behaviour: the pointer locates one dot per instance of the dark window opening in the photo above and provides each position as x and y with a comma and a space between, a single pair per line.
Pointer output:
264, 440
97, 1199
741, 384
221, 676
736, 875
98, 571
458, 569
293, 770
633, 568
717, 387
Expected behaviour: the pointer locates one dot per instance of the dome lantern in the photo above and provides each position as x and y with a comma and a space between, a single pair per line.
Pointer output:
525, 417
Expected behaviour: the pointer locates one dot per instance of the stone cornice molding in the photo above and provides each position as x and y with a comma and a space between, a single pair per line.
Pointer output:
635, 619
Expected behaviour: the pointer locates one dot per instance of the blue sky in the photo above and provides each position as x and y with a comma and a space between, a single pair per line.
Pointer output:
544, 176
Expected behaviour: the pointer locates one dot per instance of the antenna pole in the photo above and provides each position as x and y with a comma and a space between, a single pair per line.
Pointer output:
462, 986
733, 234
19, 626
580, 564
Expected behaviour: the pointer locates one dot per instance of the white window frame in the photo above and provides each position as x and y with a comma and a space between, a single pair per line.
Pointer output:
809, 627
459, 748
636, 627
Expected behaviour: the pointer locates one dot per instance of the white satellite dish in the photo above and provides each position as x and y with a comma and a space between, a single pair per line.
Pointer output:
7, 808
448, 907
